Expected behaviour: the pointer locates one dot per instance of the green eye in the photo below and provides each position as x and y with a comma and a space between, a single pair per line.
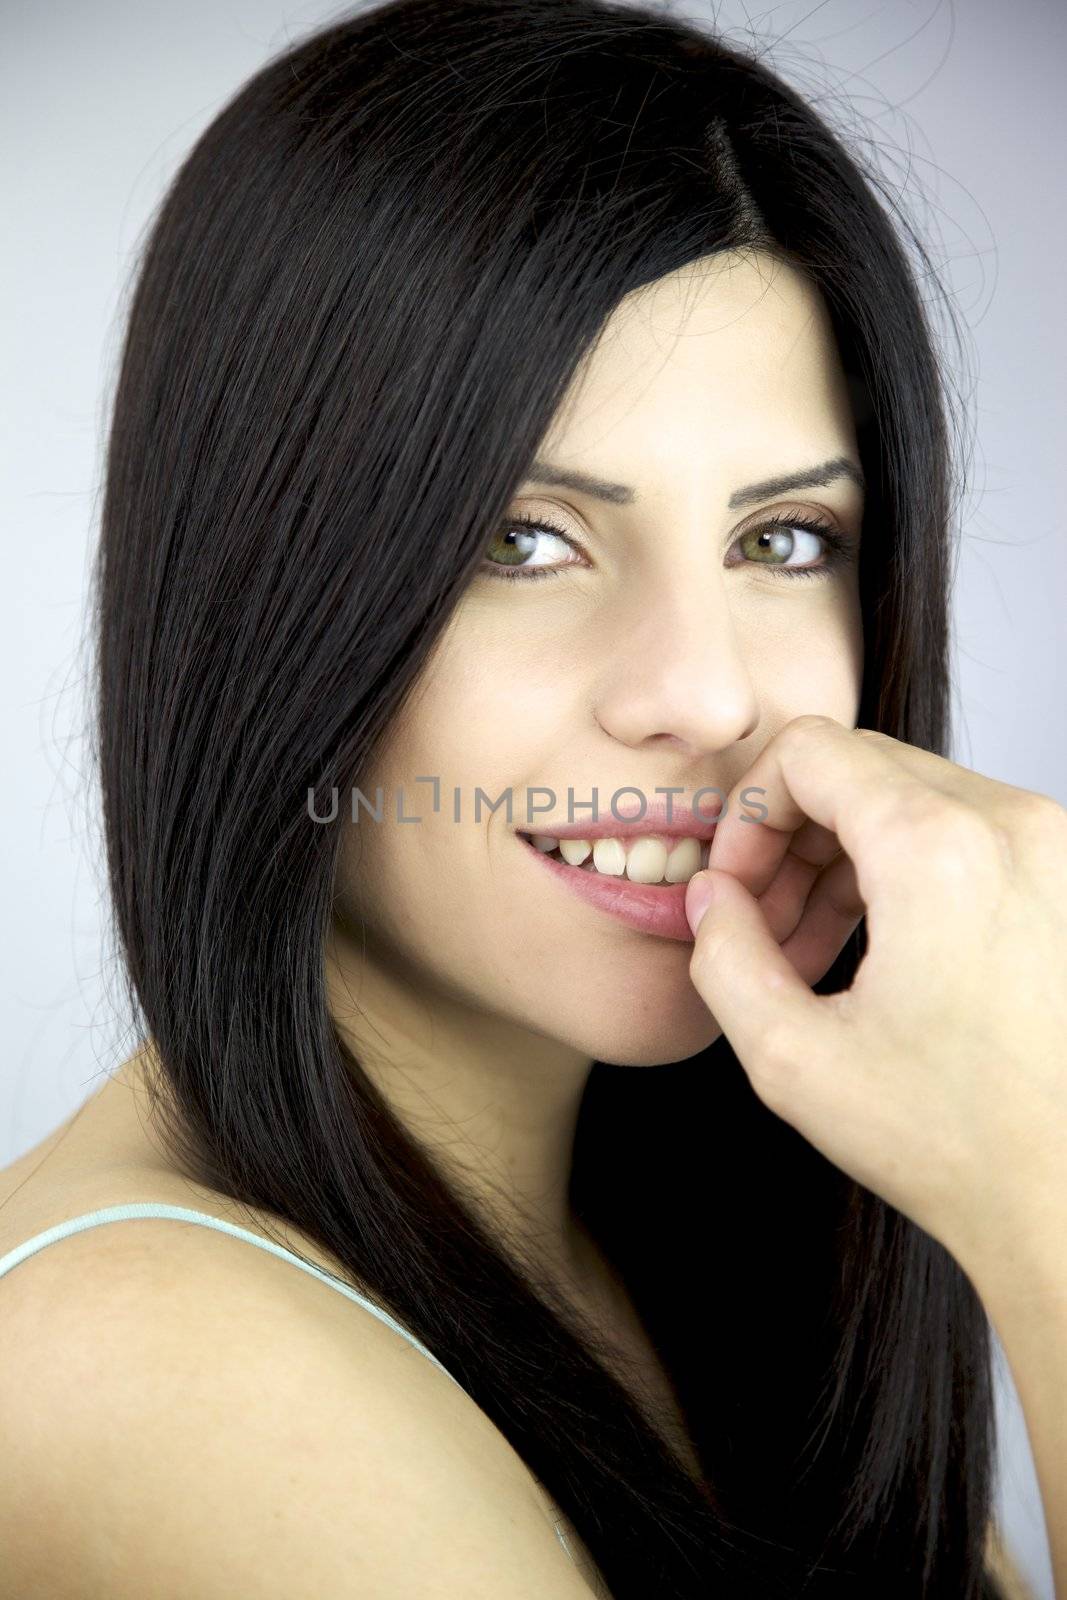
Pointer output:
775, 541
521, 538
515, 541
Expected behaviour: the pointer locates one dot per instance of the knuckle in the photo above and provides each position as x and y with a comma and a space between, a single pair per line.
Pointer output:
707, 947
939, 836
1042, 817
955, 841
775, 1063
1033, 831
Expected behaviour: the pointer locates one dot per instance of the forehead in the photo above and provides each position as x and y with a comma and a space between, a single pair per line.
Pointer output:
732, 357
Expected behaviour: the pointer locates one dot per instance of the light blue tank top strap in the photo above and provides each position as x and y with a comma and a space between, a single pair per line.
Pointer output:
158, 1208
152, 1208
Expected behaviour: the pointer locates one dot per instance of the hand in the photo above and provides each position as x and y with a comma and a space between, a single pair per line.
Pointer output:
939, 1079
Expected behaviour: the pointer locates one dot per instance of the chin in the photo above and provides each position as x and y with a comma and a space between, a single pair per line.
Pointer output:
649, 1041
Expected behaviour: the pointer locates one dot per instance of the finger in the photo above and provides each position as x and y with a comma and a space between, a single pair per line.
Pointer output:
783, 902
815, 844
811, 849
846, 780
832, 913
745, 980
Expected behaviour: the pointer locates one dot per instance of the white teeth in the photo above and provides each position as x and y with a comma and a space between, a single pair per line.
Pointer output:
683, 861
609, 857
646, 861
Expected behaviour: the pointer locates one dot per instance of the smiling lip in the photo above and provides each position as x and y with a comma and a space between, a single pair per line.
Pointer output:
684, 823
657, 908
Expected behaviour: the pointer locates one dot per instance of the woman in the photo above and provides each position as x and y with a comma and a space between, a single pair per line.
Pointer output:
482, 359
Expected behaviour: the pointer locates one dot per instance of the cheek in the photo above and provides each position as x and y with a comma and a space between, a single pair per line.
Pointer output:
478, 722
498, 702
811, 663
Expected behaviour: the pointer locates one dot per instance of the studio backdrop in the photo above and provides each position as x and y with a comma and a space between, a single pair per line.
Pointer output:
963, 104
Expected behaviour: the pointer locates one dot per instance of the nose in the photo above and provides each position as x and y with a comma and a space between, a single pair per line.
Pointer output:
680, 678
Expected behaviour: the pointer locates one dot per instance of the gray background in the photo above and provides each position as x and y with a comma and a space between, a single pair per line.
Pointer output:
99, 105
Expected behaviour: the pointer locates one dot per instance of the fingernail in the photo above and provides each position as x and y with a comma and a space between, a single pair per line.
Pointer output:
698, 898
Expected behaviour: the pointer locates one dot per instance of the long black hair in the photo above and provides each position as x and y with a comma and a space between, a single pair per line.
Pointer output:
357, 310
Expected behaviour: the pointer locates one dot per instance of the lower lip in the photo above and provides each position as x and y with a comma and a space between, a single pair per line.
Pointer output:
657, 908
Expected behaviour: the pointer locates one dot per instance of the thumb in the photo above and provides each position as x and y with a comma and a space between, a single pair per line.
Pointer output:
741, 974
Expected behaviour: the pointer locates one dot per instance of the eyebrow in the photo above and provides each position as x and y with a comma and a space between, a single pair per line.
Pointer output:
621, 494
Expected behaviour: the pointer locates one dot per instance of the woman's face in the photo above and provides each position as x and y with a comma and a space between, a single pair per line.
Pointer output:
664, 646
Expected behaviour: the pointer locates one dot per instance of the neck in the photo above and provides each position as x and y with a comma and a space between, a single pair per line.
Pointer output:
495, 1105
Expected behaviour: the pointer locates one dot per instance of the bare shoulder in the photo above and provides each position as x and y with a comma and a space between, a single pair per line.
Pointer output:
188, 1416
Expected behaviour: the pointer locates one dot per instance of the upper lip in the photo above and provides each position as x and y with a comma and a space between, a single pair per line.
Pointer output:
684, 823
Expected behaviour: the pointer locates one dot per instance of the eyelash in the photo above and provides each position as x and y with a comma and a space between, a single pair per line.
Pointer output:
839, 548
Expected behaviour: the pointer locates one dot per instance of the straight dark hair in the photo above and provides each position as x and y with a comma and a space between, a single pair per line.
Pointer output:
355, 314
